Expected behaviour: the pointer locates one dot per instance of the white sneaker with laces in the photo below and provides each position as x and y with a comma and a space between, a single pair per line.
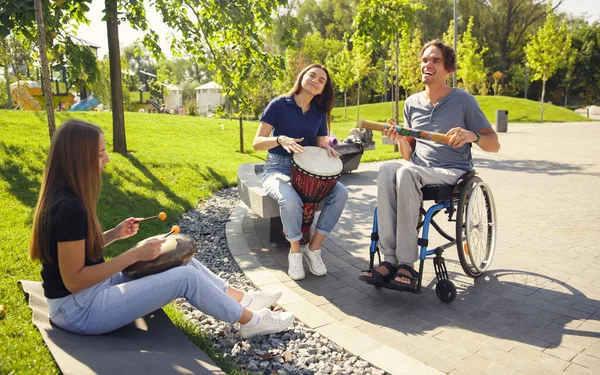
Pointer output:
269, 322
262, 299
295, 267
314, 260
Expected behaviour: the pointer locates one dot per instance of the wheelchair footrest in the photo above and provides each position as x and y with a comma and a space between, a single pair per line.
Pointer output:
439, 266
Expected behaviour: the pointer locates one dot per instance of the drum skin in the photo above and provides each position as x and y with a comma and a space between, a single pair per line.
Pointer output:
177, 250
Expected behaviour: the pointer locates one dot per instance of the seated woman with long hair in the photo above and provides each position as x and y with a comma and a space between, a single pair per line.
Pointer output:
88, 295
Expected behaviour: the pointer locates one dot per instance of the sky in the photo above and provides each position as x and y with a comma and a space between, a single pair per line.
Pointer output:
96, 32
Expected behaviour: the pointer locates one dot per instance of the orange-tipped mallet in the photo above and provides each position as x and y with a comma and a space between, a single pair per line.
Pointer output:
162, 216
174, 229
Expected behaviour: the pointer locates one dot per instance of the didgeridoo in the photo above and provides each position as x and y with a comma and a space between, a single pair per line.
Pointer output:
407, 132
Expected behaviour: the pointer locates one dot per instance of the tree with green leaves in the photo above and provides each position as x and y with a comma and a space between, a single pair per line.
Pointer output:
410, 66
315, 48
547, 51
505, 27
587, 64
226, 37
471, 70
44, 67
50, 25
361, 66
340, 68
382, 22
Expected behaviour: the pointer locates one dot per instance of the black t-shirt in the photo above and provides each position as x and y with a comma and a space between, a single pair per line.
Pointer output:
68, 222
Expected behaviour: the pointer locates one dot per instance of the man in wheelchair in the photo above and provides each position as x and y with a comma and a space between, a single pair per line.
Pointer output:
439, 108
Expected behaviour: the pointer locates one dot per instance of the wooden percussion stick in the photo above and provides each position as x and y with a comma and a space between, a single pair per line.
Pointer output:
162, 216
407, 132
174, 229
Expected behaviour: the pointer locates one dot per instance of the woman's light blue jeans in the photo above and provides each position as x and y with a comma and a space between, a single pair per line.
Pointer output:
276, 181
120, 300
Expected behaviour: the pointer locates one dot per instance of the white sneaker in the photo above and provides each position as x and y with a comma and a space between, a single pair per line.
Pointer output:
270, 322
295, 267
314, 260
262, 299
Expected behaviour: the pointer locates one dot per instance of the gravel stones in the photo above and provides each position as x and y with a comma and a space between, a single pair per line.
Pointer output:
297, 351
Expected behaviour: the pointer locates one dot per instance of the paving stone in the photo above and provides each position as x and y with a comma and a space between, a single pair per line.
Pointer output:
561, 352
498, 369
587, 361
576, 369
537, 307
551, 362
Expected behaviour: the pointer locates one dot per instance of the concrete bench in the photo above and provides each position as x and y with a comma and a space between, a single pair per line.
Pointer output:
254, 196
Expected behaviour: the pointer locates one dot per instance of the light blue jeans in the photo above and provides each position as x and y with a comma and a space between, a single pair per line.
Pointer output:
276, 181
120, 300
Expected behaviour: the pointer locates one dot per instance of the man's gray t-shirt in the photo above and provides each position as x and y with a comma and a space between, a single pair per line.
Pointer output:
458, 109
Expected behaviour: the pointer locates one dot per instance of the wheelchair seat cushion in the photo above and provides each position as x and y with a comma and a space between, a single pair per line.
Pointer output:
437, 192
376, 277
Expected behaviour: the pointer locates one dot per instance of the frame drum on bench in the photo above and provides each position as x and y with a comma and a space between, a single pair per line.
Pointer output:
314, 174
178, 249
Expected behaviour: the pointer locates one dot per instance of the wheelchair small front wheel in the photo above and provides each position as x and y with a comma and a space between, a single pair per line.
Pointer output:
445, 290
476, 227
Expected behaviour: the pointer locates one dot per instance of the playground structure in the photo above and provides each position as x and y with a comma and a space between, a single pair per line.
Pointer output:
29, 95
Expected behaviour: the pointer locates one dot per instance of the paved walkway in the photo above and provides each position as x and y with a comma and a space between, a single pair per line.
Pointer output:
537, 311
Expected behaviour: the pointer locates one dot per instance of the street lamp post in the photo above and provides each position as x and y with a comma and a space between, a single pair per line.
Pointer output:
526, 78
455, 51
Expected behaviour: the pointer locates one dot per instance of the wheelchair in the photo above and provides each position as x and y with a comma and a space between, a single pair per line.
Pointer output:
475, 231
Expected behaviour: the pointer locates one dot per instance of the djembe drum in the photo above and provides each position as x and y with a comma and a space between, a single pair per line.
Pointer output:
314, 174
177, 250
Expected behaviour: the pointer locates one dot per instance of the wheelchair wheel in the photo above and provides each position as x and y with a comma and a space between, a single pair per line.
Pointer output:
445, 290
475, 227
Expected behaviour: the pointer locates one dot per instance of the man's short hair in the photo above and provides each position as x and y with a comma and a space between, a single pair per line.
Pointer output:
447, 52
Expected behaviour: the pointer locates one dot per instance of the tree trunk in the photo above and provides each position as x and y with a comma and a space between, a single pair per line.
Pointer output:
396, 99
116, 89
241, 134
358, 103
383, 97
8, 93
345, 108
393, 102
566, 96
542, 100
39, 18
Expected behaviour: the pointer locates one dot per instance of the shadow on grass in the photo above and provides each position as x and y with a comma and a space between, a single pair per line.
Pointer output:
157, 184
23, 180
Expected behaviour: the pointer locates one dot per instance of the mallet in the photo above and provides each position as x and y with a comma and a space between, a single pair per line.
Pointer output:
174, 229
162, 216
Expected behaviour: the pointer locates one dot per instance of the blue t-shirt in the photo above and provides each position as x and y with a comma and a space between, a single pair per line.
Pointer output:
458, 109
286, 118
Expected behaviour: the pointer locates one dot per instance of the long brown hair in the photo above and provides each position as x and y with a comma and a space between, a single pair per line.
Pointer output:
72, 163
325, 101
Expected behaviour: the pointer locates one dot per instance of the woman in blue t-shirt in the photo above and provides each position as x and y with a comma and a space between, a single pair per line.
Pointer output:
289, 123
88, 295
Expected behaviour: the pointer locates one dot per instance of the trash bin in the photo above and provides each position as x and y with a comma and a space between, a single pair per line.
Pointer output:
501, 120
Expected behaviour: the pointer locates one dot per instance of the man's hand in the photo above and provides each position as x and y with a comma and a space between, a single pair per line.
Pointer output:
459, 137
392, 134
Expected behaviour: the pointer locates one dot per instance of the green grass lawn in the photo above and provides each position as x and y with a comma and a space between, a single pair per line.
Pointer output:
175, 161
519, 111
